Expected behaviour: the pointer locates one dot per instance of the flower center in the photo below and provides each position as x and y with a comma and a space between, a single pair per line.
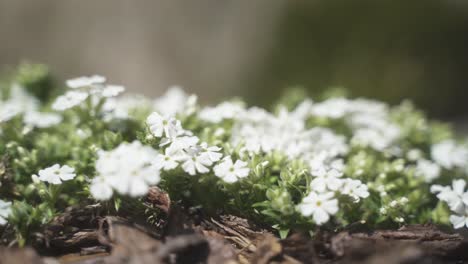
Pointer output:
231, 169
318, 203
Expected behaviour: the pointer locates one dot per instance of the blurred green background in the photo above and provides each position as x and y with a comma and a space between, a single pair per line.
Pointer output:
389, 50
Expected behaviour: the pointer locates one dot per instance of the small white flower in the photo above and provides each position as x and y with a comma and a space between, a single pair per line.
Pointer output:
393, 204
212, 152
326, 179
85, 81
355, 189
161, 126
231, 172
320, 206
169, 160
383, 210
195, 161
55, 174
69, 99
5, 211
460, 219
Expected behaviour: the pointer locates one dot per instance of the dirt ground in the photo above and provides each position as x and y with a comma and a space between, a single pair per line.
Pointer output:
186, 236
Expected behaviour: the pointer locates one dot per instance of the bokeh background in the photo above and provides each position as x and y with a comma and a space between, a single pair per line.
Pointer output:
387, 49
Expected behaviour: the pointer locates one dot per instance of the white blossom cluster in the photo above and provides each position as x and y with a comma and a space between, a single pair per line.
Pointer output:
340, 151
182, 149
259, 131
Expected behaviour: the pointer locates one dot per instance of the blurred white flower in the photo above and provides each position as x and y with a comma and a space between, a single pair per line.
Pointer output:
231, 172
460, 218
455, 196
427, 169
41, 119
127, 169
85, 81
101, 188
355, 189
320, 206
175, 101
68, 100
56, 174
448, 155
326, 179
112, 90
225, 110
5, 211
163, 126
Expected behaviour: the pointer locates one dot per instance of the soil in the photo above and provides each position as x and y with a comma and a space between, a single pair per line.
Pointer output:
182, 236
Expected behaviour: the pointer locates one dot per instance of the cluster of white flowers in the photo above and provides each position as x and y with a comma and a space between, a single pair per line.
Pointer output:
82, 88
368, 119
259, 131
456, 198
55, 174
126, 169
182, 148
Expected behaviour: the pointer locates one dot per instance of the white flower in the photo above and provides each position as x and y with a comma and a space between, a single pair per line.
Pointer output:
169, 160
127, 169
161, 126
326, 179
41, 119
448, 155
460, 219
69, 99
175, 101
455, 197
85, 81
5, 211
320, 206
55, 174
8, 110
231, 172
112, 90
427, 169
195, 161
18, 102
212, 152
101, 188
355, 189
